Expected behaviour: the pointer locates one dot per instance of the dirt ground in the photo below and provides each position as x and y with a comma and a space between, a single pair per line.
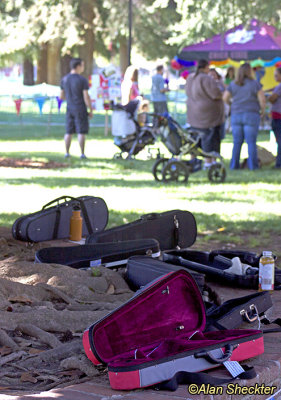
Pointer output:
45, 308
27, 163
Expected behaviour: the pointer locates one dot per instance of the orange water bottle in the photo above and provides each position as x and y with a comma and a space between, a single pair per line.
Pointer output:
76, 224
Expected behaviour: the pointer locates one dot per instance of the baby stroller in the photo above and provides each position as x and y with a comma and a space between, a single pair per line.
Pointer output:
129, 136
181, 142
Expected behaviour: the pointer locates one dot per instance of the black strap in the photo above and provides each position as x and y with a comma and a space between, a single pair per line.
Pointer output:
176, 232
86, 216
58, 200
200, 378
83, 209
57, 223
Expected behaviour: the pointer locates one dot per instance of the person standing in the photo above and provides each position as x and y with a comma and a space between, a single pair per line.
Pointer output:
217, 77
158, 91
205, 110
129, 86
275, 99
74, 89
248, 102
230, 76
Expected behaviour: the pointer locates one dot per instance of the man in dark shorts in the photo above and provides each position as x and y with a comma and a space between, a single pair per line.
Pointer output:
74, 89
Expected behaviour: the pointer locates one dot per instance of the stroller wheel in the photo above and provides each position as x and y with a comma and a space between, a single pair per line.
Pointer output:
217, 173
158, 168
175, 171
118, 156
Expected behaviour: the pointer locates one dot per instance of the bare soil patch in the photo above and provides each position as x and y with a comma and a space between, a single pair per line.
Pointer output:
27, 163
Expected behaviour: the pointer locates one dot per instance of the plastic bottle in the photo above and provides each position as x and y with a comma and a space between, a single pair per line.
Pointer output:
266, 271
76, 224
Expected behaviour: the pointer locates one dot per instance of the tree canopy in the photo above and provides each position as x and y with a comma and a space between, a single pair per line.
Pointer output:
160, 27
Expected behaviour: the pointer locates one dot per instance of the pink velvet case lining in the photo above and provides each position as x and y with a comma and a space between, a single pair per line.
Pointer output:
166, 319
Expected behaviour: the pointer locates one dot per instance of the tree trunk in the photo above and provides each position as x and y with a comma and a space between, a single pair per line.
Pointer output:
86, 51
28, 72
54, 72
42, 60
123, 54
64, 64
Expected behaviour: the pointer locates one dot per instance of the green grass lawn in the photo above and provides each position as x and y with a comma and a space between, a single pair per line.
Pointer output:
248, 201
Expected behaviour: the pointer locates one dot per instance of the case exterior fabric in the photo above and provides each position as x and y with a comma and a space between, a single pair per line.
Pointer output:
233, 313
215, 264
53, 221
141, 270
111, 255
172, 229
160, 332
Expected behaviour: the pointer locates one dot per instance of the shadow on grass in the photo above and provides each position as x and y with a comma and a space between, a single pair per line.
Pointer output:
214, 222
66, 182
90, 163
12, 132
7, 219
120, 174
263, 175
210, 227
220, 197
115, 218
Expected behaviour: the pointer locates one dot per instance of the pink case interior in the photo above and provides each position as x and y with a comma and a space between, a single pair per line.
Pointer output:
165, 319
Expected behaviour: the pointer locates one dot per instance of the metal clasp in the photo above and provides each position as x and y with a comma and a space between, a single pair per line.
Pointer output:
166, 291
252, 318
179, 328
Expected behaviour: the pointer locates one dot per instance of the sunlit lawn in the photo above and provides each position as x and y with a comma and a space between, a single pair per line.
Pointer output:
248, 200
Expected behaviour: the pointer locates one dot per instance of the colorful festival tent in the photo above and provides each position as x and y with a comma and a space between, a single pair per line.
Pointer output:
258, 42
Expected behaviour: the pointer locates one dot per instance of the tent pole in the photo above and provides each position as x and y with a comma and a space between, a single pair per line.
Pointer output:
176, 97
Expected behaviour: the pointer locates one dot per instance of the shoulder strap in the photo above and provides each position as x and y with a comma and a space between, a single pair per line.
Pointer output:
85, 216
200, 378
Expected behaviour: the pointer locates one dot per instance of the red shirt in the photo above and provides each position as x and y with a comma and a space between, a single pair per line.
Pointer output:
276, 115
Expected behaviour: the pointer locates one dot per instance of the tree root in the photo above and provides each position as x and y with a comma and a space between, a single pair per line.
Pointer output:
43, 336
11, 357
56, 292
5, 340
53, 355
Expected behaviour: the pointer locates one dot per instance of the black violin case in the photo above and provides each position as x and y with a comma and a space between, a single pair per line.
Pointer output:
53, 220
172, 229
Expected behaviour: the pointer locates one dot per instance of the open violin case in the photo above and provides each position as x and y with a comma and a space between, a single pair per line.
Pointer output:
159, 335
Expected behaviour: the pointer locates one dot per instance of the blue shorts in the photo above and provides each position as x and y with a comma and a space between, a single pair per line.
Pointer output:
77, 121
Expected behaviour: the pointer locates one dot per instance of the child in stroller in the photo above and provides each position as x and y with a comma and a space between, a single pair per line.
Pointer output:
181, 142
130, 136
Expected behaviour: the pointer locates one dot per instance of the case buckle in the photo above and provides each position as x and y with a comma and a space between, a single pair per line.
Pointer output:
253, 317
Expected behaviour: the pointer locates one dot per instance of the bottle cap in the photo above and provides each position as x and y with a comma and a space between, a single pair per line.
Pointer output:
76, 207
267, 253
